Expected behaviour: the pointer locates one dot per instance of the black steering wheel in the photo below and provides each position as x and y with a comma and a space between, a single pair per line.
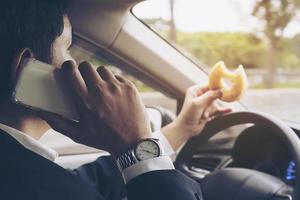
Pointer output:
239, 183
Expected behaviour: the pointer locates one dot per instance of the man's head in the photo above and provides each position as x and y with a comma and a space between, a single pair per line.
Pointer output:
38, 28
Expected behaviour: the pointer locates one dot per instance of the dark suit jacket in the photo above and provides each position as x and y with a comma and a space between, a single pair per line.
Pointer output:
25, 175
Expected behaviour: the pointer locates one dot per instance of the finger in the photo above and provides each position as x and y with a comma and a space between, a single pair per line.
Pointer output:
203, 120
77, 85
209, 111
89, 75
201, 90
224, 110
196, 90
220, 108
221, 112
206, 114
210, 119
74, 79
106, 74
212, 111
121, 78
208, 97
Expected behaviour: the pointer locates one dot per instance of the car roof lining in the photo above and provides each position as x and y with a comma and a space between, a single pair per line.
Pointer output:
90, 16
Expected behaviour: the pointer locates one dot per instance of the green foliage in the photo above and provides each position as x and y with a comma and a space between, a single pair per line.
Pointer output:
276, 15
239, 48
232, 48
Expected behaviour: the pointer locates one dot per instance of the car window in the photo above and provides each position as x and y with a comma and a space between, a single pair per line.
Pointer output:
263, 36
150, 96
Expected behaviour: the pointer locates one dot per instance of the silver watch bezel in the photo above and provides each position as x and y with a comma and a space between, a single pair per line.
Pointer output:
155, 141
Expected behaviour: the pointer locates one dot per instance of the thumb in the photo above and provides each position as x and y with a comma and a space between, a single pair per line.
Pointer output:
208, 97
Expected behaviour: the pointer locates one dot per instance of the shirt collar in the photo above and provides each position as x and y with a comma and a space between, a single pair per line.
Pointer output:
30, 143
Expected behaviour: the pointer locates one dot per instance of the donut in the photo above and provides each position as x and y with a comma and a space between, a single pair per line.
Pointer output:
232, 91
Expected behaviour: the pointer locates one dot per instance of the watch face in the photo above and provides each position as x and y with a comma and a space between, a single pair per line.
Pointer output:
146, 150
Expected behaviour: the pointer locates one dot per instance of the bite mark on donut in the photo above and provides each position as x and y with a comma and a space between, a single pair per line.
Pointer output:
238, 79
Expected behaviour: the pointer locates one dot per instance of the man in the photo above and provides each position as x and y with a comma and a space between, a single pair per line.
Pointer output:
41, 29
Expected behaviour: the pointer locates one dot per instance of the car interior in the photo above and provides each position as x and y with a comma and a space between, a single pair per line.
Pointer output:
231, 148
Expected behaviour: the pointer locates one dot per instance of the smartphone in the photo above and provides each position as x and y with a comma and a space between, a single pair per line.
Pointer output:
41, 87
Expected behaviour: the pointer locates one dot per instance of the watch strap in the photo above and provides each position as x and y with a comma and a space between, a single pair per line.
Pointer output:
129, 158
126, 160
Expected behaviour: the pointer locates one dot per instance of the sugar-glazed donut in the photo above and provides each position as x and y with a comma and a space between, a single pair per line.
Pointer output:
238, 81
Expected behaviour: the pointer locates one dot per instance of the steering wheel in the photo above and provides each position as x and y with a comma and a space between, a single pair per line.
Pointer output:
239, 183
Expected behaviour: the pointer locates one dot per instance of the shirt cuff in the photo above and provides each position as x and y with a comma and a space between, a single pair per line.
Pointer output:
166, 146
142, 167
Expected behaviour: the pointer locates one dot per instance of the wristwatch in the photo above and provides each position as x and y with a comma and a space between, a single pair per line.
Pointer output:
143, 150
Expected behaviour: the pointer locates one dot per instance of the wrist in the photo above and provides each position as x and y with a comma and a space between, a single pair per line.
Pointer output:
127, 143
182, 129
176, 134
145, 149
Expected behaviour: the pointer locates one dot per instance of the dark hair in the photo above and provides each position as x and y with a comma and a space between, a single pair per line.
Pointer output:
33, 24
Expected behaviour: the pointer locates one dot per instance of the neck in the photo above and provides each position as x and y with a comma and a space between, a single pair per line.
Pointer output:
22, 119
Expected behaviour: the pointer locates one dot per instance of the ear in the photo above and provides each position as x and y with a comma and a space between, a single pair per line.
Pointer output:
18, 61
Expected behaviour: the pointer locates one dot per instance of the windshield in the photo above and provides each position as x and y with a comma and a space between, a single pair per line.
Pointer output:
262, 35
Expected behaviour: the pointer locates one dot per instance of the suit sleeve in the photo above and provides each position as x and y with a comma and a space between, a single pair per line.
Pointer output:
163, 185
104, 175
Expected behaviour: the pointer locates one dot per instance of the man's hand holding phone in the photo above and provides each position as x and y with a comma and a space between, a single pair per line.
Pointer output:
112, 114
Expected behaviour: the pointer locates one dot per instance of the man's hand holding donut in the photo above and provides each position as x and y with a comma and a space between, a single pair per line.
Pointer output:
200, 106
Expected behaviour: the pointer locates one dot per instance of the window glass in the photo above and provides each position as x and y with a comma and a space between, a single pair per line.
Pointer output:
263, 36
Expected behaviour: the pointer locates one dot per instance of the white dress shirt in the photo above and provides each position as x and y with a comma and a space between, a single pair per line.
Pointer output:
161, 163
30, 143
